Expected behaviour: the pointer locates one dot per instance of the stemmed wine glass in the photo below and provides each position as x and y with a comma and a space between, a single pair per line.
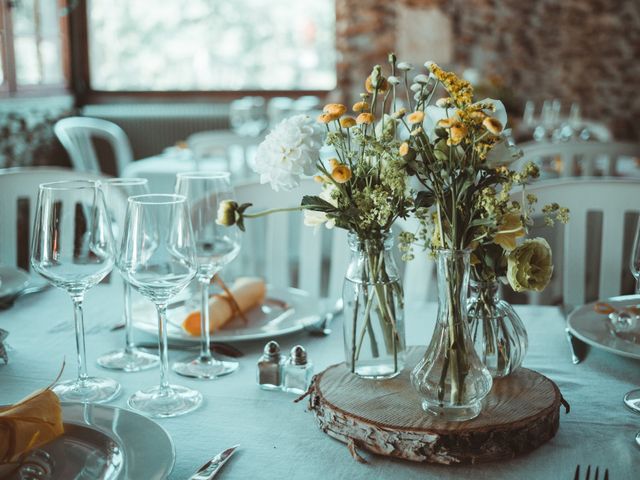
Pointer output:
129, 358
72, 248
216, 246
632, 398
157, 258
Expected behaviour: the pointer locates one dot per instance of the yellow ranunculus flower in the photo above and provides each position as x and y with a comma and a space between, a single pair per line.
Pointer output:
361, 106
529, 266
457, 132
510, 229
493, 125
326, 118
341, 173
347, 122
366, 118
335, 109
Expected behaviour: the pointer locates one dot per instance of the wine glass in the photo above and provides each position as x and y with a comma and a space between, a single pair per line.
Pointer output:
216, 246
632, 398
129, 358
72, 248
157, 258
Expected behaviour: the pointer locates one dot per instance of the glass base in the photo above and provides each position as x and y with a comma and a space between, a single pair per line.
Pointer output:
205, 368
378, 371
168, 402
128, 361
638, 438
632, 400
89, 390
453, 413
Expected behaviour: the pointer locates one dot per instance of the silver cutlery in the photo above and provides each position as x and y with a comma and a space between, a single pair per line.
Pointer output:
578, 347
322, 328
8, 301
218, 347
587, 475
213, 466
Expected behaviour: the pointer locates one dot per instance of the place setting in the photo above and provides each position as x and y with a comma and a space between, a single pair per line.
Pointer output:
320, 239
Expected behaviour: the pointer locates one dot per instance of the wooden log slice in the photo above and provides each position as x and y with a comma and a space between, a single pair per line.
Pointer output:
385, 417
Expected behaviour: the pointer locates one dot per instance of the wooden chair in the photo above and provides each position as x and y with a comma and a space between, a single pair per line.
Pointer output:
616, 200
18, 196
286, 252
75, 134
572, 159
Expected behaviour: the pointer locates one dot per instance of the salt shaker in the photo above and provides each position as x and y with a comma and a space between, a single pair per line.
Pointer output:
269, 371
297, 371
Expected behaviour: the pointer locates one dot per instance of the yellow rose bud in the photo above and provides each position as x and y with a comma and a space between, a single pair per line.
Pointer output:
325, 118
529, 266
415, 117
227, 213
494, 126
333, 162
341, 174
361, 106
366, 118
347, 122
335, 109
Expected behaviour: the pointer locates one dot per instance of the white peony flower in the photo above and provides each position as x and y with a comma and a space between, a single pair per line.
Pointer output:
288, 152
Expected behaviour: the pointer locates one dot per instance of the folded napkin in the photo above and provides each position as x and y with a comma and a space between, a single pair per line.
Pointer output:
247, 294
29, 424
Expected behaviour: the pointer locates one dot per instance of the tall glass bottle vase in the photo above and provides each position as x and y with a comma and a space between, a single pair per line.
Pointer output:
451, 379
374, 340
498, 333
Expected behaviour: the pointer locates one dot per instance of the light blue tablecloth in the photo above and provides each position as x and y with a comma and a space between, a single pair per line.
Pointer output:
280, 439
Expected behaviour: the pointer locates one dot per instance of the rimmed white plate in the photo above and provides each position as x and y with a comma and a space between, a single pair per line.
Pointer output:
284, 311
12, 281
593, 328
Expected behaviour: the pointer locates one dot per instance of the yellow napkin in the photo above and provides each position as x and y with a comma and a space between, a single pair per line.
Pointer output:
248, 293
29, 424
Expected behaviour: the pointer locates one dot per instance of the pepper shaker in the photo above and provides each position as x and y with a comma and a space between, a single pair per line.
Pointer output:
297, 371
269, 370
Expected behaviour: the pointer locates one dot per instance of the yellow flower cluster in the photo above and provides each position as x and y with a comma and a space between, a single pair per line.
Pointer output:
460, 90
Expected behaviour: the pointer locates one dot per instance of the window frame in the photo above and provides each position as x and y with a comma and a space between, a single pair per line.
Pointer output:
10, 88
86, 95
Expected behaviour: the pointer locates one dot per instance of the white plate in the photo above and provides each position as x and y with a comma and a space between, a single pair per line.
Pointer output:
284, 311
103, 442
12, 281
592, 327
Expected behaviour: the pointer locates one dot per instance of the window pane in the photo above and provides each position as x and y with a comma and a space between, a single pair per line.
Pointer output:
37, 43
212, 44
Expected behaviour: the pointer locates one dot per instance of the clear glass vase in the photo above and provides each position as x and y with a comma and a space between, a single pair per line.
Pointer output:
451, 379
497, 332
374, 341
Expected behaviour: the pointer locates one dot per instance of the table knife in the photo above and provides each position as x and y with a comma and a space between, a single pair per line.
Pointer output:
578, 347
213, 466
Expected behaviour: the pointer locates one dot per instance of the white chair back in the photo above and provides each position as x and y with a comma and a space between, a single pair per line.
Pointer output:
232, 151
579, 158
613, 199
419, 273
75, 134
286, 252
18, 196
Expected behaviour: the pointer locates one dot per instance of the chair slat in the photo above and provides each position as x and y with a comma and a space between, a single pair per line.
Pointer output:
340, 255
277, 251
611, 254
574, 259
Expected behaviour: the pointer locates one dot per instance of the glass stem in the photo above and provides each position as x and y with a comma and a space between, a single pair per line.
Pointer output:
638, 285
128, 327
162, 346
80, 344
205, 337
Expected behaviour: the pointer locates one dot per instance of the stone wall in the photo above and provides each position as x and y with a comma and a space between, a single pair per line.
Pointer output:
585, 51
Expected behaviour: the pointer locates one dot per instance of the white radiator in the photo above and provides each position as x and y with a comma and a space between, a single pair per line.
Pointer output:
153, 127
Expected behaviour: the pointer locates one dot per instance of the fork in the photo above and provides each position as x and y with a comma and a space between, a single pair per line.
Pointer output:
587, 475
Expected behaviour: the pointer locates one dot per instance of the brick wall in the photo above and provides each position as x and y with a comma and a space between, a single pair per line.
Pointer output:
575, 50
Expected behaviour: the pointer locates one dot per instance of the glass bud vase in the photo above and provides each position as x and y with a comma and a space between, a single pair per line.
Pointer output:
374, 341
451, 379
498, 333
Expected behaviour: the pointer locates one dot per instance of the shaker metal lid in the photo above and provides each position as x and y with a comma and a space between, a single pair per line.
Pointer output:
298, 355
